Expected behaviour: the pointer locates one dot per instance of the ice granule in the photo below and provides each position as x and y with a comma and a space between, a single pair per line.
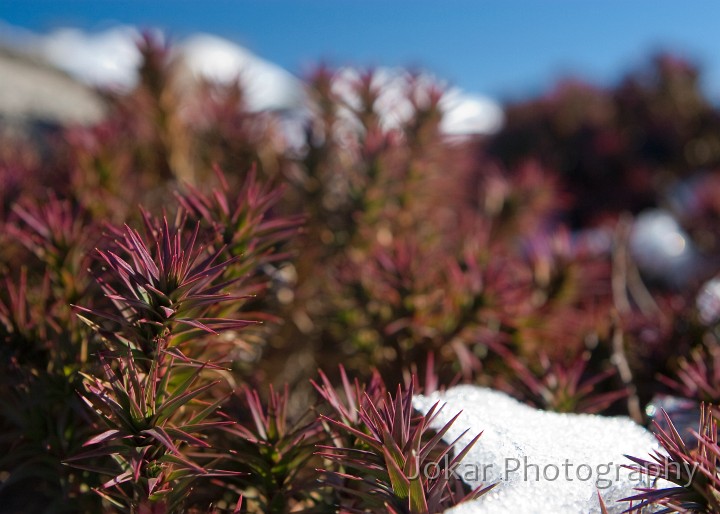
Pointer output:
544, 462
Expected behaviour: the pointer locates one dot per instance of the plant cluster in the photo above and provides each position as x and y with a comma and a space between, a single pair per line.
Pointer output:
170, 269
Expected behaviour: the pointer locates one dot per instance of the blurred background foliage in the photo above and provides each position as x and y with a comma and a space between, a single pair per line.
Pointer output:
526, 260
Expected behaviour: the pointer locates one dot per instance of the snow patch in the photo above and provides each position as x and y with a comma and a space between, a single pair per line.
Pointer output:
108, 59
543, 462
266, 86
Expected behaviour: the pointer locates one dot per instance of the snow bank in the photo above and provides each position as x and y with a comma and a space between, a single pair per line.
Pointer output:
544, 462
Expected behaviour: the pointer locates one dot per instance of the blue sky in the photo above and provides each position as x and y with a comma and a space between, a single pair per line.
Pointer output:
502, 48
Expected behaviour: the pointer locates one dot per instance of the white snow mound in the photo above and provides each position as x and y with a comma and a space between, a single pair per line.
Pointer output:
464, 114
108, 59
543, 462
266, 85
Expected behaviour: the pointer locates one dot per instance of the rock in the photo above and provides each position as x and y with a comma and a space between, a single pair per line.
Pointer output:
683, 412
543, 462
110, 59
663, 250
32, 92
708, 302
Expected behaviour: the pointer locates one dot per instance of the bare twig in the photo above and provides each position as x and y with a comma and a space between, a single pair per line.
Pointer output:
620, 266
619, 359
639, 291
623, 306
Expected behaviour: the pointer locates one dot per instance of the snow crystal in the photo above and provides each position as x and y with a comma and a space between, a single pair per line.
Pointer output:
542, 461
